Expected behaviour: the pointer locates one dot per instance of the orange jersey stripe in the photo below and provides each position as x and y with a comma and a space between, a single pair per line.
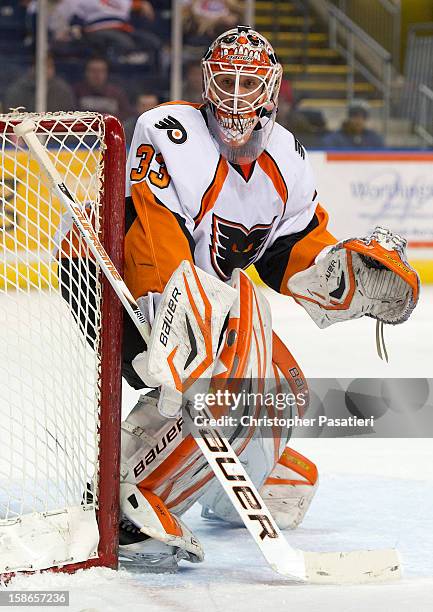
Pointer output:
212, 192
149, 263
268, 165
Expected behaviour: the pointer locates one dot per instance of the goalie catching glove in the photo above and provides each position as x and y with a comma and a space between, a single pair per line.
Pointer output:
362, 276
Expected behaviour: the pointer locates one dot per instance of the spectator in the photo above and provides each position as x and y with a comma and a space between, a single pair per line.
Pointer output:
159, 23
193, 84
307, 124
285, 102
353, 133
105, 26
60, 96
143, 103
96, 93
209, 17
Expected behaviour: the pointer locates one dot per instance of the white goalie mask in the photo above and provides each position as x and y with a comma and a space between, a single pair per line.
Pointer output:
242, 78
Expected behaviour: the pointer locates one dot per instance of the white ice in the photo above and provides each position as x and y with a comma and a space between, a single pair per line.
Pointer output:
373, 493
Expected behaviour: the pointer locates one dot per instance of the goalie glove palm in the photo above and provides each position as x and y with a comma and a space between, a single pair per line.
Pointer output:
368, 276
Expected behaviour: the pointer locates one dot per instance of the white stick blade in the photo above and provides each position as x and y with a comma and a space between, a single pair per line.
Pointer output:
358, 566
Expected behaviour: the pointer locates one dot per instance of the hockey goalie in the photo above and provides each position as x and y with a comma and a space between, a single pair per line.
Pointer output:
212, 189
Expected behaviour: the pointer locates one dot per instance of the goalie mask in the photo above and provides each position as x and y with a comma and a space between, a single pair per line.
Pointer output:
242, 79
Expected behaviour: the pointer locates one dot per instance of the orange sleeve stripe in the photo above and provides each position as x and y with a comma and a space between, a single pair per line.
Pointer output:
306, 250
269, 167
212, 192
150, 261
182, 102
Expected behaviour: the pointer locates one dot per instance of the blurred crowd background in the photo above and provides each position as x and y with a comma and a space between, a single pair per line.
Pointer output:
356, 74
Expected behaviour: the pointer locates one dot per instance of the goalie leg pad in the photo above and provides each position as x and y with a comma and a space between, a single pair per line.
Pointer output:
185, 334
258, 459
156, 457
147, 439
290, 488
269, 361
287, 491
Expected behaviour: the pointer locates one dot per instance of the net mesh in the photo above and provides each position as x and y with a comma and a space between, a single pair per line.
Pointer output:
50, 305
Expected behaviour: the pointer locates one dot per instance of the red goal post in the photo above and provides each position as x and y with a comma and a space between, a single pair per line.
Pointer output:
60, 353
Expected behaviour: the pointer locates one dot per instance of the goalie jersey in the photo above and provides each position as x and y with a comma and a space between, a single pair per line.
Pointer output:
185, 201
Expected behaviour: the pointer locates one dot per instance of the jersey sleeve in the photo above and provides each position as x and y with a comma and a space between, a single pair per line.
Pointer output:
158, 227
300, 236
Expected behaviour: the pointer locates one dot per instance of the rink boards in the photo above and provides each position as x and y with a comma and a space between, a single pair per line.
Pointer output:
360, 190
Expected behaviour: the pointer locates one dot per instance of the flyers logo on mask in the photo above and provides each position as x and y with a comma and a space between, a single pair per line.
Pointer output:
175, 130
234, 246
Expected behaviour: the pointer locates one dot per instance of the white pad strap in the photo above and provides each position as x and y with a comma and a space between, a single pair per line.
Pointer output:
138, 432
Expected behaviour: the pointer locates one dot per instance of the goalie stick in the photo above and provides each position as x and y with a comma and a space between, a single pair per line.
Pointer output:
333, 567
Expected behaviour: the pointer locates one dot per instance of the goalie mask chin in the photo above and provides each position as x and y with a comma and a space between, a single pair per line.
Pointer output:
242, 79
241, 145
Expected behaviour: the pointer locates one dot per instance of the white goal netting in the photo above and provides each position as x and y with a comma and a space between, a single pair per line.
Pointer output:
50, 317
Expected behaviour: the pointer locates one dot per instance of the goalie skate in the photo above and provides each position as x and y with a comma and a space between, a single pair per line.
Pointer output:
139, 551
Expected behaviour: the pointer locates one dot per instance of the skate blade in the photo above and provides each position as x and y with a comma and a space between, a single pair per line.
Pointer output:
137, 565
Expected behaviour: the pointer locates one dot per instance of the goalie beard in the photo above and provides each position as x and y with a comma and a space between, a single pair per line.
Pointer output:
249, 151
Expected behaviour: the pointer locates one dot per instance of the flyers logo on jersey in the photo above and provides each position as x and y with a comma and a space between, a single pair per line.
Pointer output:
175, 130
234, 246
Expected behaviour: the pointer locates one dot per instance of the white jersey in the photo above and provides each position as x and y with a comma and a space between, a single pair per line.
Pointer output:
93, 14
190, 202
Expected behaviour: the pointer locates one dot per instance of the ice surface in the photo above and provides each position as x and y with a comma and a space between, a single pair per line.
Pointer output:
373, 493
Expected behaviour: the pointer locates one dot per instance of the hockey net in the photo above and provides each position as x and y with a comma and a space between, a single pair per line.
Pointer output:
59, 350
